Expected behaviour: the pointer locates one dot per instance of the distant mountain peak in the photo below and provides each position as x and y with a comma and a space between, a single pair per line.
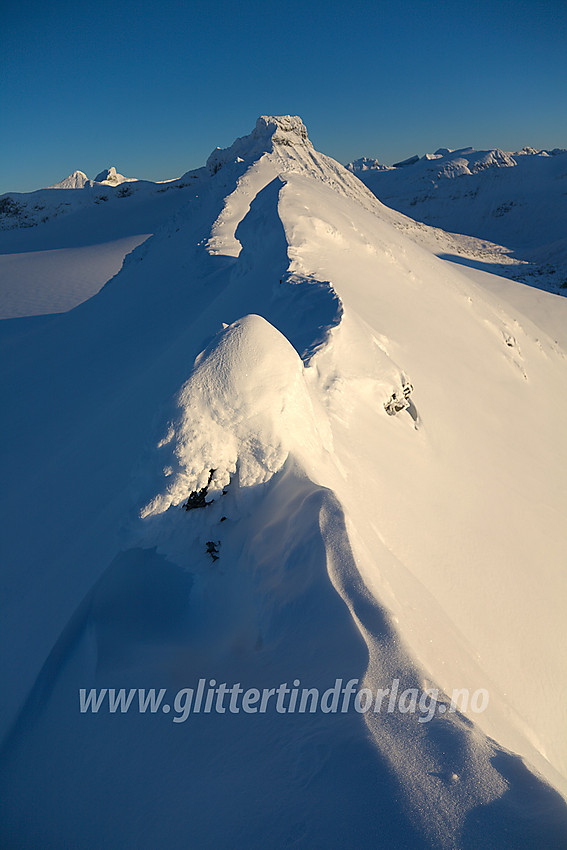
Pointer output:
111, 177
365, 163
76, 180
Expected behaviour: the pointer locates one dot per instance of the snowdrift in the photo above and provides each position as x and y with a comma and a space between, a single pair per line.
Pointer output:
285, 443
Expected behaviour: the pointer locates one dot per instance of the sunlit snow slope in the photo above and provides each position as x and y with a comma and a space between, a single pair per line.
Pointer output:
252, 347
513, 204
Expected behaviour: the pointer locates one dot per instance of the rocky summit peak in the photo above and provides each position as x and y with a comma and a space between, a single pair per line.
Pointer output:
109, 175
270, 132
283, 129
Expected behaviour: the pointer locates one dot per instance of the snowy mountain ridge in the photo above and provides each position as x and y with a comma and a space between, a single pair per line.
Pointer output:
473, 160
290, 443
488, 196
78, 180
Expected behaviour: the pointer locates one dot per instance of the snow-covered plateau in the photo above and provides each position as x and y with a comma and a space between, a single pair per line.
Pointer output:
285, 444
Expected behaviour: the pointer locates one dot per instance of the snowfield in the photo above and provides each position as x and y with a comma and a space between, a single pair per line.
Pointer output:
60, 245
37, 283
285, 442
489, 196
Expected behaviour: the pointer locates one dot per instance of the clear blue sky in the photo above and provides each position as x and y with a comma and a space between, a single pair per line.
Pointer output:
153, 87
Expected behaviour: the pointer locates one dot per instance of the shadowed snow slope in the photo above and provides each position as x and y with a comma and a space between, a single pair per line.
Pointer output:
59, 246
247, 362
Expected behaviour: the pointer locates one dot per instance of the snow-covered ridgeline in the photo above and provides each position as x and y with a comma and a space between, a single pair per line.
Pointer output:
107, 177
452, 162
362, 368
263, 335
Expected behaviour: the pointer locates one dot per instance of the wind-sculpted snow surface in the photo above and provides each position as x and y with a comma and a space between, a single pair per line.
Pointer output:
243, 409
285, 447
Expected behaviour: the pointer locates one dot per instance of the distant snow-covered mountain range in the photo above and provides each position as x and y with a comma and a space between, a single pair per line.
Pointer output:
78, 179
29, 209
515, 204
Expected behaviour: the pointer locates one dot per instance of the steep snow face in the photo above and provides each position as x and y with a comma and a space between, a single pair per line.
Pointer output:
284, 144
276, 147
374, 448
451, 329
489, 195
